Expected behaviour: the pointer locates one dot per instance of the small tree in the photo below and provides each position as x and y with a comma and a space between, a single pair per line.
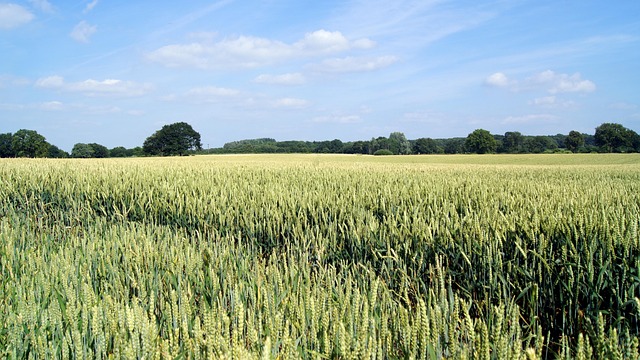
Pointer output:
574, 141
174, 139
481, 141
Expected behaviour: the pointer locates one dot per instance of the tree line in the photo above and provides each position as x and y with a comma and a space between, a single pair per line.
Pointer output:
181, 139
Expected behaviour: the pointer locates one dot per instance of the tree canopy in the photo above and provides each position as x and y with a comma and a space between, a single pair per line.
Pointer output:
616, 138
481, 141
28, 143
174, 139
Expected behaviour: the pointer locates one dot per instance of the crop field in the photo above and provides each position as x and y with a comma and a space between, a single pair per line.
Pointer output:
321, 257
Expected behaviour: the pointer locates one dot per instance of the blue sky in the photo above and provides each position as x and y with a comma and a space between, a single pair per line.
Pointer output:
114, 71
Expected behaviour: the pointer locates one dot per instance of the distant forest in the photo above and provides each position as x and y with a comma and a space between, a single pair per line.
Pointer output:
181, 139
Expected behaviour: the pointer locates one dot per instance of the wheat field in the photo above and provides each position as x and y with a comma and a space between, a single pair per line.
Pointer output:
321, 257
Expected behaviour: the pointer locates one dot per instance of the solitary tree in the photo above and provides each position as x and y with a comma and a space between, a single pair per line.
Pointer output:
28, 143
612, 137
481, 141
574, 141
174, 139
399, 144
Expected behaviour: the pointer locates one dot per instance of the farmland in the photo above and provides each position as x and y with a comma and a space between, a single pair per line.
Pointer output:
310, 256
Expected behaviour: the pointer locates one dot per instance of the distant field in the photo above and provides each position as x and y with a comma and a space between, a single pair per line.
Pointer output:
490, 159
321, 256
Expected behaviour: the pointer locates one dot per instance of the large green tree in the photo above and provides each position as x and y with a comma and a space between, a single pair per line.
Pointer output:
28, 143
611, 137
174, 139
481, 141
574, 141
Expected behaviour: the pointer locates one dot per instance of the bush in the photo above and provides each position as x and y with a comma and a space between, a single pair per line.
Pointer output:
383, 152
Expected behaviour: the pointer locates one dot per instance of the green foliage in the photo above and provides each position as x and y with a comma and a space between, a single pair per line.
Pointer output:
513, 142
99, 151
175, 139
427, 146
611, 137
119, 152
83, 151
56, 153
481, 141
539, 144
28, 143
574, 141
6, 147
398, 144
383, 152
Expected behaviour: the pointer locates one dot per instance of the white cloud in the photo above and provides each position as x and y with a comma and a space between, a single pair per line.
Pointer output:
562, 83
90, 6
548, 80
283, 79
42, 5
249, 51
292, 103
210, 92
552, 102
50, 82
354, 64
339, 119
498, 80
92, 87
83, 31
12, 15
52, 106
525, 119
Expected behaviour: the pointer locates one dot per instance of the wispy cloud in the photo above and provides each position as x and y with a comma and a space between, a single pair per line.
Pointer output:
282, 79
552, 102
338, 119
250, 51
13, 15
42, 5
549, 80
412, 23
291, 103
528, 119
52, 106
83, 32
354, 64
90, 6
92, 87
